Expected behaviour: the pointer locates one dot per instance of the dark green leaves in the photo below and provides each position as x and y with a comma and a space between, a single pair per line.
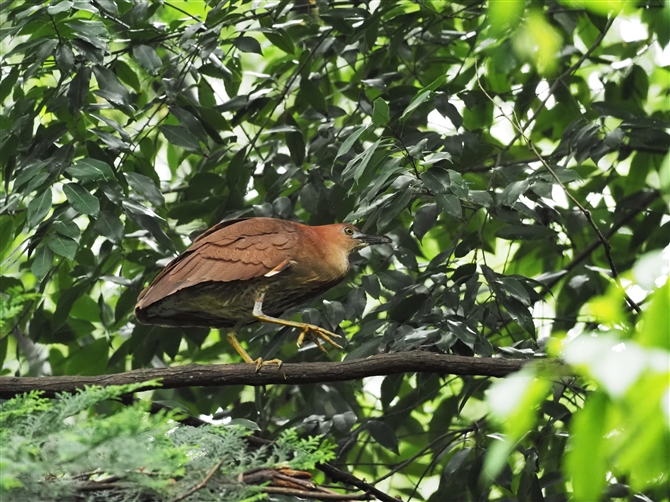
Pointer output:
348, 143
42, 262
147, 58
248, 44
380, 112
424, 219
384, 435
524, 232
61, 245
39, 207
110, 225
146, 187
180, 137
78, 91
81, 199
90, 170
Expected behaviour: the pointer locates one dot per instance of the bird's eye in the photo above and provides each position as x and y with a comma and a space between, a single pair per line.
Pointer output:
348, 230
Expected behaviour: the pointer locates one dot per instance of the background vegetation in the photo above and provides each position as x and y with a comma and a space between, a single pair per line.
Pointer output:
516, 152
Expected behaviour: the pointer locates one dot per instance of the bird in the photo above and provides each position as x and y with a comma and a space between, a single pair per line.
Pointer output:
252, 269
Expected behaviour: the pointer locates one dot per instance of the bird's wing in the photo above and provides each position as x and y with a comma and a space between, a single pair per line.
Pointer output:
236, 250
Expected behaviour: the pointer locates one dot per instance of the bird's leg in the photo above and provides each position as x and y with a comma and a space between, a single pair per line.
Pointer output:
232, 339
305, 328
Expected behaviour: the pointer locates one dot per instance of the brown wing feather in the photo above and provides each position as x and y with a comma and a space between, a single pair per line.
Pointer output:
235, 250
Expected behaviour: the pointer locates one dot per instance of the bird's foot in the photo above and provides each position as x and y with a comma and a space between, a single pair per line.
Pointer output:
317, 332
260, 362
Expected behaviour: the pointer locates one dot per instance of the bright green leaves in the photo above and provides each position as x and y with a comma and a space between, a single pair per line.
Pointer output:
514, 402
539, 42
505, 15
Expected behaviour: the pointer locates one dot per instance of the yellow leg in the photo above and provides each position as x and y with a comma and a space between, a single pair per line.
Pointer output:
232, 339
313, 330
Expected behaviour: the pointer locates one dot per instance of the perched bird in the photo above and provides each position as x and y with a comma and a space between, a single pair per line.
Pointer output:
247, 270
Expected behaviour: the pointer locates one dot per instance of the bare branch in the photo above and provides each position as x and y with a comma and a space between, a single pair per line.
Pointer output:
290, 374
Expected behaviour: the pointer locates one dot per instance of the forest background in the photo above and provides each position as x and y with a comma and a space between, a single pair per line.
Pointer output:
516, 153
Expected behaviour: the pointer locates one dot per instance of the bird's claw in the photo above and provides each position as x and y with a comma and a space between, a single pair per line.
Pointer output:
316, 332
260, 362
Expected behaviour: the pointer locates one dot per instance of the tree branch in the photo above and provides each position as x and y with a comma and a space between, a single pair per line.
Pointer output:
292, 374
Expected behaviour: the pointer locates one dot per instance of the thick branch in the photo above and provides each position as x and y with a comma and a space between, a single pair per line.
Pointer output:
245, 374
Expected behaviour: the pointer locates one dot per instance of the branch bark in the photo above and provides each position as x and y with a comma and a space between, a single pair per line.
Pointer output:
292, 374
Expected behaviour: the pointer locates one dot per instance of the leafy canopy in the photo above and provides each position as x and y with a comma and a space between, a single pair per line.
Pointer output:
516, 152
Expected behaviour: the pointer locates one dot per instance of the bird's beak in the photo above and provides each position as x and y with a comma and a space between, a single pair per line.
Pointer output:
369, 240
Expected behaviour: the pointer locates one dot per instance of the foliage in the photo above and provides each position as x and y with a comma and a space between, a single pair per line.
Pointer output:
622, 431
516, 152
52, 447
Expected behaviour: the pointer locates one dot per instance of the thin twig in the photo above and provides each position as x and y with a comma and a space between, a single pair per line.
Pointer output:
587, 214
200, 485
314, 495
287, 88
555, 85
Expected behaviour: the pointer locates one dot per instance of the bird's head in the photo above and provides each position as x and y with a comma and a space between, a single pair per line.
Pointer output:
349, 237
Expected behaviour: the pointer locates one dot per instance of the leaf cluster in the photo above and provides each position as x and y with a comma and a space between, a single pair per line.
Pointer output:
516, 152
54, 449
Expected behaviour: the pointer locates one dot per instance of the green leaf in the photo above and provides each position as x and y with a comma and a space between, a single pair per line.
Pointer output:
356, 166
64, 59
281, 39
190, 122
43, 261
39, 207
397, 205
586, 460
8, 83
456, 462
381, 115
63, 246
245, 423
423, 96
248, 44
90, 359
180, 137
127, 75
513, 191
351, 139
147, 58
436, 180
384, 435
87, 169
67, 228
450, 204
6, 232
424, 219
146, 187
524, 232
311, 92
79, 89
81, 199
